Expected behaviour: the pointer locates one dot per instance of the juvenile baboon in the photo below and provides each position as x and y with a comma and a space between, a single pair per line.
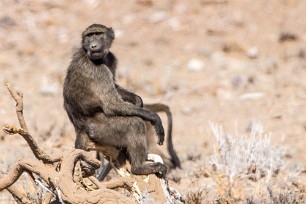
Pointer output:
96, 105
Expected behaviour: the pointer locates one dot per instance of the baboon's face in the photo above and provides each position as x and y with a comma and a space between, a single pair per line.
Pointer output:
97, 44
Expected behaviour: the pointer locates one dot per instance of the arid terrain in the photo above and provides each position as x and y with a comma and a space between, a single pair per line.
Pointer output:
234, 63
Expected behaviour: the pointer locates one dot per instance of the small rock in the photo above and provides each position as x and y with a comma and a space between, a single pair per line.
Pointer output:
252, 96
119, 33
7, 21
48, 88
157, 17
206, 51
238, 81
287, 36
145, 2
232, 46
195, 65
175, 23
252, 52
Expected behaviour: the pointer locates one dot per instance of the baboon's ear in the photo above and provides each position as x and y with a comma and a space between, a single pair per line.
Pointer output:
111, 32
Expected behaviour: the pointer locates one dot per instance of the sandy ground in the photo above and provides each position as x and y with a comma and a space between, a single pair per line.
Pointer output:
225, 61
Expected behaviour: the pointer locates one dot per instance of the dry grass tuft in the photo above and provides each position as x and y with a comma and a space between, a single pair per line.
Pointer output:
196, 196
247, 169
253, 155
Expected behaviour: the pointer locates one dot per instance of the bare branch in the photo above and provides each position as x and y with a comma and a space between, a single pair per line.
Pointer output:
37, 151
17, 195
36, 167
23, 131
62, 180
95, 181
120, 182
18, 97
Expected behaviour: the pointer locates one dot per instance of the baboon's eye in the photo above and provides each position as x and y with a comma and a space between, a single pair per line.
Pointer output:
90, 34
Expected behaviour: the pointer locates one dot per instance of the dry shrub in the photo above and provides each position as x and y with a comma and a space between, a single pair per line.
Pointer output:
253, 155
249, 169
195, 196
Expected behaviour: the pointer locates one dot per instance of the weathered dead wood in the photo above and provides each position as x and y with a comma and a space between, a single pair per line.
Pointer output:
18, 97
119, 183
63, 179
23, 131
17, 195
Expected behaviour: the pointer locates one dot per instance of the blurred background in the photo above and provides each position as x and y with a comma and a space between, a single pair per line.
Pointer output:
233, 62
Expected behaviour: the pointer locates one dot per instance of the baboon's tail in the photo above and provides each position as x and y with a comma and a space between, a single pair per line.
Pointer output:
159, 107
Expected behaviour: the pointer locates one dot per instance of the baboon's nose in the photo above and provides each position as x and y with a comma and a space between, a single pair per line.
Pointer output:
94, 46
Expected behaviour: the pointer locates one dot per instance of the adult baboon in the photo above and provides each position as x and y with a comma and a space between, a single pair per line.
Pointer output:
131, 97
111, 62
97, 106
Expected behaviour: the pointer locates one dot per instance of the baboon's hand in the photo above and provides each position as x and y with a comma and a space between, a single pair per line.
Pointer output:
159, 129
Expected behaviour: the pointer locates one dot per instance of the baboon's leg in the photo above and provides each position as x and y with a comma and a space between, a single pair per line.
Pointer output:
137, 150
129, 133
81, 141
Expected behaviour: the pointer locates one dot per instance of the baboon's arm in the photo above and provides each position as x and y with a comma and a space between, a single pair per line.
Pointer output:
129, 96
112, 103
